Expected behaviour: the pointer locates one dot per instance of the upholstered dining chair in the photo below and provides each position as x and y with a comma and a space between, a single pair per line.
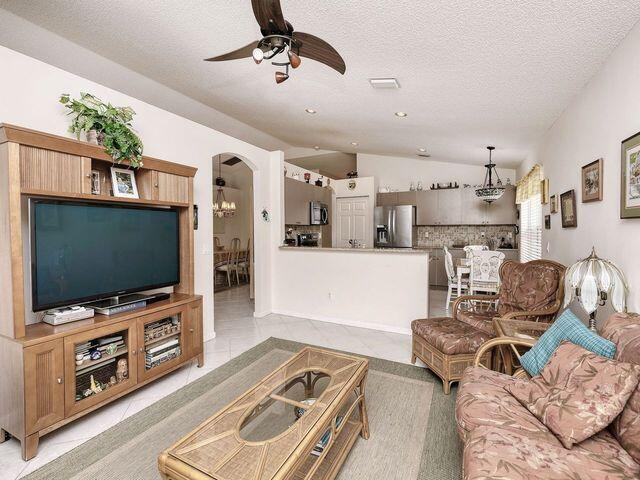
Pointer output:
469, 249
485, 271
452, 279
231, 264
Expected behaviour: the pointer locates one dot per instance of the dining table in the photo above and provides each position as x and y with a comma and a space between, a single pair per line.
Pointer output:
220, 256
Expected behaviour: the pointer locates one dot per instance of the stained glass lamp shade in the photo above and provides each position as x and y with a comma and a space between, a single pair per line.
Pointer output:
593, 281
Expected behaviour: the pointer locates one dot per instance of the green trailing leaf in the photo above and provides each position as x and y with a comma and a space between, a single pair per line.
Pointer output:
90, 113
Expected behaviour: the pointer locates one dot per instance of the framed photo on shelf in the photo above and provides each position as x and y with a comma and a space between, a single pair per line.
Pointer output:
553, 204
568, 209
124, 183
630, 173
592, 181
547, 222
95, 182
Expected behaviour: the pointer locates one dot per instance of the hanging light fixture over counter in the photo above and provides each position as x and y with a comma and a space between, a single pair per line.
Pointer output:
490, 192
221, 207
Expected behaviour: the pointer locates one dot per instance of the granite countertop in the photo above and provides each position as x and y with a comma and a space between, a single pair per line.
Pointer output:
415, 251
461, 248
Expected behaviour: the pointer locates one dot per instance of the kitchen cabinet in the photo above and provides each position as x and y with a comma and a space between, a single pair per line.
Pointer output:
296, 202
48, 171
427, 208
297, 196
503, 211
449, 207
475, 209
407, 198
387, 199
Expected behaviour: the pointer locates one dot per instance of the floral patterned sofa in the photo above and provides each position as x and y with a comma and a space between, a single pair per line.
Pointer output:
502, 440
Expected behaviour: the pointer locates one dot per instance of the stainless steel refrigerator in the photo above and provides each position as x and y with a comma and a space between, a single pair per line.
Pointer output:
394, 226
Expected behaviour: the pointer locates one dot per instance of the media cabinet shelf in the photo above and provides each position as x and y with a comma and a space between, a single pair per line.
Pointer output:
100, 198
104, 359
43, 332
37, 386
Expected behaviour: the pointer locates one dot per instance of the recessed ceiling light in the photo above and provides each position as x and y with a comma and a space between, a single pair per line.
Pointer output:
310, 111
384, 83
422, 149
316, 147
401, 114
355, 144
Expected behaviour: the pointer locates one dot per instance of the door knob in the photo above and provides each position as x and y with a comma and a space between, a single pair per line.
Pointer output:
59, 380
191, 330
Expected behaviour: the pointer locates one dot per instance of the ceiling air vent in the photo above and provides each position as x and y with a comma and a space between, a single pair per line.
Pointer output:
424, 155
232, 161
384, 83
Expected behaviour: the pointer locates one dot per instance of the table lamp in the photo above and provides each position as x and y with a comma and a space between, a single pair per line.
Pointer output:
593, 281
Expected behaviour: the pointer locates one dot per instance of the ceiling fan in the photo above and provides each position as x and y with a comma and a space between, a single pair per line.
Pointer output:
278, 36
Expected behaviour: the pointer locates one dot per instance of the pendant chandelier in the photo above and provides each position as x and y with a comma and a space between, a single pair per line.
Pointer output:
490, 192
222, 208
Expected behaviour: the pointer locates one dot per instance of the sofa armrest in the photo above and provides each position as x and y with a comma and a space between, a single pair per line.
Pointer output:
475, 301
501, 341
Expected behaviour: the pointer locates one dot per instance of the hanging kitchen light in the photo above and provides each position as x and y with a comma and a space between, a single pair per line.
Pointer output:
221, 207
490, 192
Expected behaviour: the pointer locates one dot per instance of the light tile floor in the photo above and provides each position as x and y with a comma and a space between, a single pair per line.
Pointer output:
236, 331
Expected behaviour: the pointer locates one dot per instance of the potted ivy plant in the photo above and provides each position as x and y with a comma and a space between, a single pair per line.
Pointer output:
105, 125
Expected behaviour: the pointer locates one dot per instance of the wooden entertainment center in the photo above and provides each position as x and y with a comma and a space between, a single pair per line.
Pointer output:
41, 386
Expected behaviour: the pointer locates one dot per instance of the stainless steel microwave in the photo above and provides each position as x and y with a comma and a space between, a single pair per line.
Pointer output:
319, 213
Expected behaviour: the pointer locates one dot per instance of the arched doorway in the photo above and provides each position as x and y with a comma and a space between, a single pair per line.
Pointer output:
233, 237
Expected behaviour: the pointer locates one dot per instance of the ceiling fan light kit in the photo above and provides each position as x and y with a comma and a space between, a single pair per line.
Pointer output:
278, 37
490, 192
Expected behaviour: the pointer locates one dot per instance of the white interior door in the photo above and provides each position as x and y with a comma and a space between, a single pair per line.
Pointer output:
352, 220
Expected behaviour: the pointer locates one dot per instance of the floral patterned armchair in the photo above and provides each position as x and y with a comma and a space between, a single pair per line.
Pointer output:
502, 439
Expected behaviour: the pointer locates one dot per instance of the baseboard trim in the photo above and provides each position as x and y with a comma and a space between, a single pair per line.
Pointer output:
347, 322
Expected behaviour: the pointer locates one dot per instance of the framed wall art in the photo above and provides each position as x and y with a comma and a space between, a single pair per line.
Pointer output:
547, 222
568, 209
630, 173
553, 204
544, 188
592, 181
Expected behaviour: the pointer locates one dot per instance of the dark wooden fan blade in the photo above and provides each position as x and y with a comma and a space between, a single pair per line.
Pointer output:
269, 16
317, 49
243, 52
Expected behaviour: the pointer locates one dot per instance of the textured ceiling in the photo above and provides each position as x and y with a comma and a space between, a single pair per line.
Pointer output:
472, 72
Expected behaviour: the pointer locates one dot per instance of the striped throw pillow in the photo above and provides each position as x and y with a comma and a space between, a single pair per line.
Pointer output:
566, 327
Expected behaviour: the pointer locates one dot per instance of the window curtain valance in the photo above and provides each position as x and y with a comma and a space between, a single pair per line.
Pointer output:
529, 185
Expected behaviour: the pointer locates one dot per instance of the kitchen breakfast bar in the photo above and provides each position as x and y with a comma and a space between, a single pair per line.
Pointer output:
379, 288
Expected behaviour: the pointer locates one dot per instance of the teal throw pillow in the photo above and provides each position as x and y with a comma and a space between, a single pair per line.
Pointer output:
566, 327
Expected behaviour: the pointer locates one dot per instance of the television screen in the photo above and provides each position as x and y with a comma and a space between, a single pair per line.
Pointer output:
87, 251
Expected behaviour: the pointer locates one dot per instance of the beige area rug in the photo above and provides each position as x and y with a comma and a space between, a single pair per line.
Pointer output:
411, 421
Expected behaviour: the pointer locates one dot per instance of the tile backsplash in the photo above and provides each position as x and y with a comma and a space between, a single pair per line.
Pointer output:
441, 235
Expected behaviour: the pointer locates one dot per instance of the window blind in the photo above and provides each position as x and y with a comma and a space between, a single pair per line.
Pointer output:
531, 228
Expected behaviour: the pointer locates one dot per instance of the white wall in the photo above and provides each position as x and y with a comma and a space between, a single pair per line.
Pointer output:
29, 90
398, 172
593, 126
383, 291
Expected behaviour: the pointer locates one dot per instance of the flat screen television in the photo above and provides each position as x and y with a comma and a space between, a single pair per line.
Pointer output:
83, 251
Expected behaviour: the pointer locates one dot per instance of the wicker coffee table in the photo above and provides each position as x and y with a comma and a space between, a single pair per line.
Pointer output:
300, 422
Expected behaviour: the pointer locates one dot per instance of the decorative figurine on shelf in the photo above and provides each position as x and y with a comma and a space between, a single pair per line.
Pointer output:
96, 355
87, 393
112, 380
420, 187
122, 370
319, 181
111, 349
95, 387
79, 359
307, 177
412, 187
